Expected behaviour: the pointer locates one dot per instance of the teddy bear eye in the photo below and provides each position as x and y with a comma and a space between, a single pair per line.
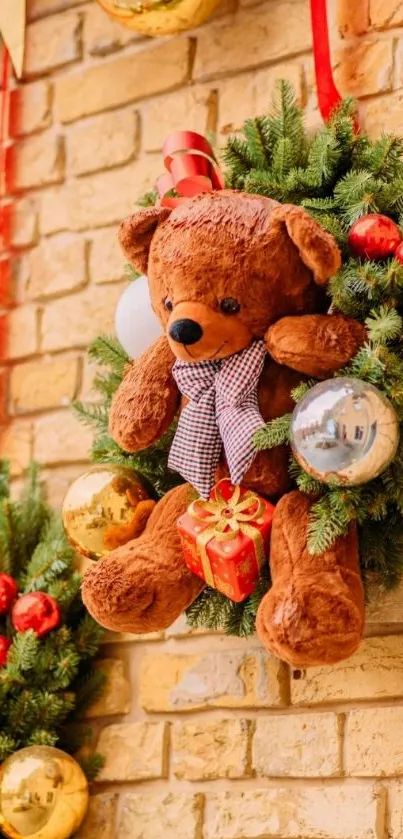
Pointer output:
229, 306
168, 304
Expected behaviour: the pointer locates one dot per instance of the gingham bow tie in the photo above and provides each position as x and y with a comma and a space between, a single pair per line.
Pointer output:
222, 411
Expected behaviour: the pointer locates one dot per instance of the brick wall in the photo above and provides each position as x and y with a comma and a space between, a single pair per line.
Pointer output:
205, 738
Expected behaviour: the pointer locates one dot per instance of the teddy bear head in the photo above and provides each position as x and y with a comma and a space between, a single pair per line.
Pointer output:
224, 266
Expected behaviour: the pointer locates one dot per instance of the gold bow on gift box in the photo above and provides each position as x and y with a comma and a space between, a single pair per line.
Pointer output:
225, 519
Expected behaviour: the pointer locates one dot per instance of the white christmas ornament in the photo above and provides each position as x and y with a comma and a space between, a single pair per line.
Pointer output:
136, 325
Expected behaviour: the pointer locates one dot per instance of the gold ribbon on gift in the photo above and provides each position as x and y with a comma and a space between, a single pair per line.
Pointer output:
225, 520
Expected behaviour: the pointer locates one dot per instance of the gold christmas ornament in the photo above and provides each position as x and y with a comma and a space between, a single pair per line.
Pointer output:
159, 17
43, 794
344, 430
104, 509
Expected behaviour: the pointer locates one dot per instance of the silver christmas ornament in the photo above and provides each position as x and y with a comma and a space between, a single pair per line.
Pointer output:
344, 430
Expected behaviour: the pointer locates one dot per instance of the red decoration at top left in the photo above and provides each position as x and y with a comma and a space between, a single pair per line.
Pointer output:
192, 168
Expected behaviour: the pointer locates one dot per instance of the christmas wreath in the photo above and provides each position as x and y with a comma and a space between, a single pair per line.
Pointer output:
352, 187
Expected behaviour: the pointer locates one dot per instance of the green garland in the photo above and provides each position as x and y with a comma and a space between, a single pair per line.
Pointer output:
337, 175
47, 682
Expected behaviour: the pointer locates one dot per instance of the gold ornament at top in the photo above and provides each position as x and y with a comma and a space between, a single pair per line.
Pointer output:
43, 794
159, 17
105, 508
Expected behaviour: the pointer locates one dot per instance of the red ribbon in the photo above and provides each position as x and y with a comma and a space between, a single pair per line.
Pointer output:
191, 166
328, 95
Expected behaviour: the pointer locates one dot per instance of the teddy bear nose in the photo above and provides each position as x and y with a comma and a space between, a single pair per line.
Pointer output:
186, 331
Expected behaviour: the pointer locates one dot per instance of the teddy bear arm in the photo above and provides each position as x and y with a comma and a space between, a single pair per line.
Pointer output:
316, 345
147, 400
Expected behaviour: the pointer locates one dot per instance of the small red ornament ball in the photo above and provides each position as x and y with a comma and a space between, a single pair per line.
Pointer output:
37, 611
8, 593
399, 253
374, 237
5, 644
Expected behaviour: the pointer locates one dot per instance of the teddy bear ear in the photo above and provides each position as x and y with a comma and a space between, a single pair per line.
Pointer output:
317, 248
136, 233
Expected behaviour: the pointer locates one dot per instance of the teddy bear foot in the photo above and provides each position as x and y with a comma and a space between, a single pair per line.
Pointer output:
144, 585
314, 612
308, 625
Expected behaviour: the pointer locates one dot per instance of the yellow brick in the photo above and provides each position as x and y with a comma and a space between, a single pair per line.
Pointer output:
24, 223
169, 815
249, 94
365, 68
221, 679
386, 13
374, 672
103, 142
52, 43
318, 812
395, 808
374, 742
133, 751
46, 383
57, 266
38, 161
99, 200
265, 33
75, 320
210, 750
383, 115
116, 695
22, 332
99, 822
180, 628
127, 79
193, 107
106, 257
31, 108
353, 18
307, 746
16, 446
102, 34
60, 438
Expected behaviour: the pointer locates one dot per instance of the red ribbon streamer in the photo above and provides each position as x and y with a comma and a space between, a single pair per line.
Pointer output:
328, 95
191, 167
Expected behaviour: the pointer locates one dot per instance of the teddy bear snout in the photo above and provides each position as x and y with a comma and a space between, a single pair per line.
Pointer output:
185, 331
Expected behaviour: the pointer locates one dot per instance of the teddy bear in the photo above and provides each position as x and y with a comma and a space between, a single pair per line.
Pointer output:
238, 283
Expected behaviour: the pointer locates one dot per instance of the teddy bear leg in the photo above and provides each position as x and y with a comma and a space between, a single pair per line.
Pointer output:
144, 585
314, 612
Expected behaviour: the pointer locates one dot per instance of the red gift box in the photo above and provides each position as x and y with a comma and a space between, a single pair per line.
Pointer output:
226, 540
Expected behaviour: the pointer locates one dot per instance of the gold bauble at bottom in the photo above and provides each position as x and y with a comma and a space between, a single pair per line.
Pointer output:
159, 17
43, 794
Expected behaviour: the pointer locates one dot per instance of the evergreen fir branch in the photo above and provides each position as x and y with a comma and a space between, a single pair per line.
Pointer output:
88, 637
366, 365
258, 142
208, 610
283, 158
276, 433
264, 183
88, 688
384, 325
91, 765
108, 352
325, 526
23, 653
42, 737
52, 558
286, 118
324, 157
8, 745
384, 157
238, 160
302, 389
4, 479
130, 273
356, 195
94, 415
149, 199
6, 548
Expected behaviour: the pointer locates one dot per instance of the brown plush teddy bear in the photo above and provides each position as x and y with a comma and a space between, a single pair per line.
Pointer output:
238, 282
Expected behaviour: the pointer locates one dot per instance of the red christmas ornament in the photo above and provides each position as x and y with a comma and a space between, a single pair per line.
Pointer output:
399, 253
37, 611
8, 593
5, 644
374, 237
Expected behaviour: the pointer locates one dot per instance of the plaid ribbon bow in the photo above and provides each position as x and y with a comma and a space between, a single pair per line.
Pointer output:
223, 411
